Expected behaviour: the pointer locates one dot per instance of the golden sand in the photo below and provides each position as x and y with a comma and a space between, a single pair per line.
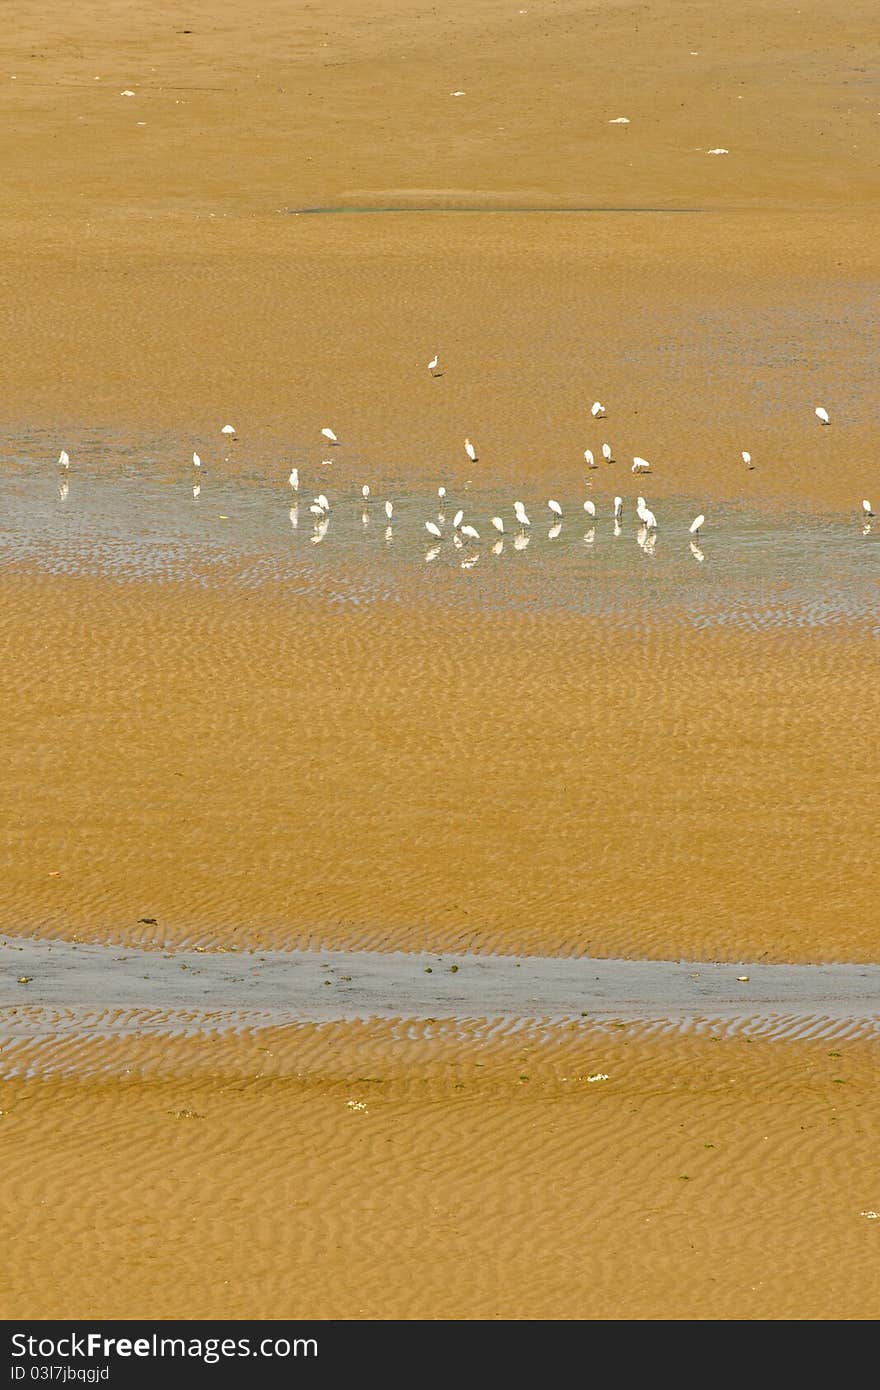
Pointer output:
260, 768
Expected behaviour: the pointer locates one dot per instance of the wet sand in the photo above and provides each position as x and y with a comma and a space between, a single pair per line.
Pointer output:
201, 765
45, 985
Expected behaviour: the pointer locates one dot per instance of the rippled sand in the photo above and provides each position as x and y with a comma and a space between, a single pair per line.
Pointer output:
258, 770
219, 734
406, 1171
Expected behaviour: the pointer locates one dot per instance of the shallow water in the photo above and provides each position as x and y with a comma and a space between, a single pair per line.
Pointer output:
134, 516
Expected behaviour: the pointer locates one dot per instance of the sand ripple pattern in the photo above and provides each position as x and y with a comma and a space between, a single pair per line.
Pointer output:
447, 1170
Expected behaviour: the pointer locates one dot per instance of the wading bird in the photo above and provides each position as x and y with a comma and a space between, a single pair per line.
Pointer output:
471, 533
498, 524
470, 451
64, 459
866, 508
590, 507
695, 525
434, 363
389, 510
554, 507
328, 434
591, 462
747, 459
228, 429
519, 512
822, 413
597, 409
433, 530
641, 465
618, 508
606, 453
197, 462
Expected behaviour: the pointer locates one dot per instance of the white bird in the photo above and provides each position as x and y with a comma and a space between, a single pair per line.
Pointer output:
470, 451
64, 459
471, 533
228, 429
597, 409
588, 455
498, 524
365, 491
641, 465
618, 508
433, 364
554, 507
747, 459
389, 510
866, 508
519, 512
197, 461
458, 518
590, 507
294, 479
316, 509
322, 502
695, 525
433, 529
441, 493
823, 415
606, 453
719, 150
328, 434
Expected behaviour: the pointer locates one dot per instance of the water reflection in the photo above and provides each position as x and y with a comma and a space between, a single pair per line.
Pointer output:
133, 519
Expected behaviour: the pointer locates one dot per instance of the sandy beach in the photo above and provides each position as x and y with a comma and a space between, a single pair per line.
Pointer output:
240, 738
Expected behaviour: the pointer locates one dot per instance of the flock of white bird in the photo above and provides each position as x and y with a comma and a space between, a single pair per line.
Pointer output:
462, 531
